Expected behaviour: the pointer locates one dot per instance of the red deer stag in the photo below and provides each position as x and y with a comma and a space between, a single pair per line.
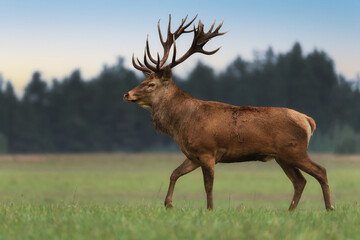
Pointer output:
212, 132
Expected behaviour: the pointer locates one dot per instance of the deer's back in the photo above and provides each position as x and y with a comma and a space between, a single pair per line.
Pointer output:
233, 132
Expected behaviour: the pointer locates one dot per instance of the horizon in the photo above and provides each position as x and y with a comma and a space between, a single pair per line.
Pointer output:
56, 38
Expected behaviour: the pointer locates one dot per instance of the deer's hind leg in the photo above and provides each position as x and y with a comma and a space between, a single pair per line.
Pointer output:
319, 173
297, 180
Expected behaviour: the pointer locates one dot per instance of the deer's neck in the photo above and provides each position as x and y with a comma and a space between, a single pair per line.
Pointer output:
170, 111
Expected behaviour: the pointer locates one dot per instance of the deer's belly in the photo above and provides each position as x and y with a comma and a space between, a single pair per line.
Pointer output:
246, 157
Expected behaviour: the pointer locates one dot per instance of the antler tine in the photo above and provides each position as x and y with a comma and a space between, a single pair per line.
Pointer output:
149, 66
160, 35
218, 28
216, 31
187, 25
179, 28
212, 26
158, 62
169, 29
210, 52
174, 51
182, 29
205, 37
148, 51
141, 67
200, 27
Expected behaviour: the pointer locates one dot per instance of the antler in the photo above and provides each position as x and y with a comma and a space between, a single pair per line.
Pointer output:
200, 39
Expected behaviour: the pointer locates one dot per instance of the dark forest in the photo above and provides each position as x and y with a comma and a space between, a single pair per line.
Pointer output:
78, 115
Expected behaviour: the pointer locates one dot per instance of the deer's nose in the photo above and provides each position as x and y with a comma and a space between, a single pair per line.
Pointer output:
126, 95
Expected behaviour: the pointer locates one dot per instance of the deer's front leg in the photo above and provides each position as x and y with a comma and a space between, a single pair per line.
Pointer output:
208, 170
186, 167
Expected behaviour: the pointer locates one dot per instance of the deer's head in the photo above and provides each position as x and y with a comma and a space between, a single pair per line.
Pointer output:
158, 75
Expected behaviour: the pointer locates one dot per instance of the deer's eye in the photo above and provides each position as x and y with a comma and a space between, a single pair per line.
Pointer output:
151, 84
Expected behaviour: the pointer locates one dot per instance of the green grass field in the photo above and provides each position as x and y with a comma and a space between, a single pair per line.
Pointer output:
119, 196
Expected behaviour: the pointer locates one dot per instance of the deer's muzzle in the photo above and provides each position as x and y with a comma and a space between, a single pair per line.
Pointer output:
128, 98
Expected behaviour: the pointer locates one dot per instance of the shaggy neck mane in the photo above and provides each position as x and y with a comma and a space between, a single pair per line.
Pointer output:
168, 112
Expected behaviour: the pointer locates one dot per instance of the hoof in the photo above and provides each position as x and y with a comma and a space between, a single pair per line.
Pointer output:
331, 208
168, 206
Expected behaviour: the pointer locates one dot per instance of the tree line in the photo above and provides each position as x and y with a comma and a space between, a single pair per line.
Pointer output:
77, 115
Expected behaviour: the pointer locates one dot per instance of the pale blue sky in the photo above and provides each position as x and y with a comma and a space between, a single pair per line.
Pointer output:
56, 37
